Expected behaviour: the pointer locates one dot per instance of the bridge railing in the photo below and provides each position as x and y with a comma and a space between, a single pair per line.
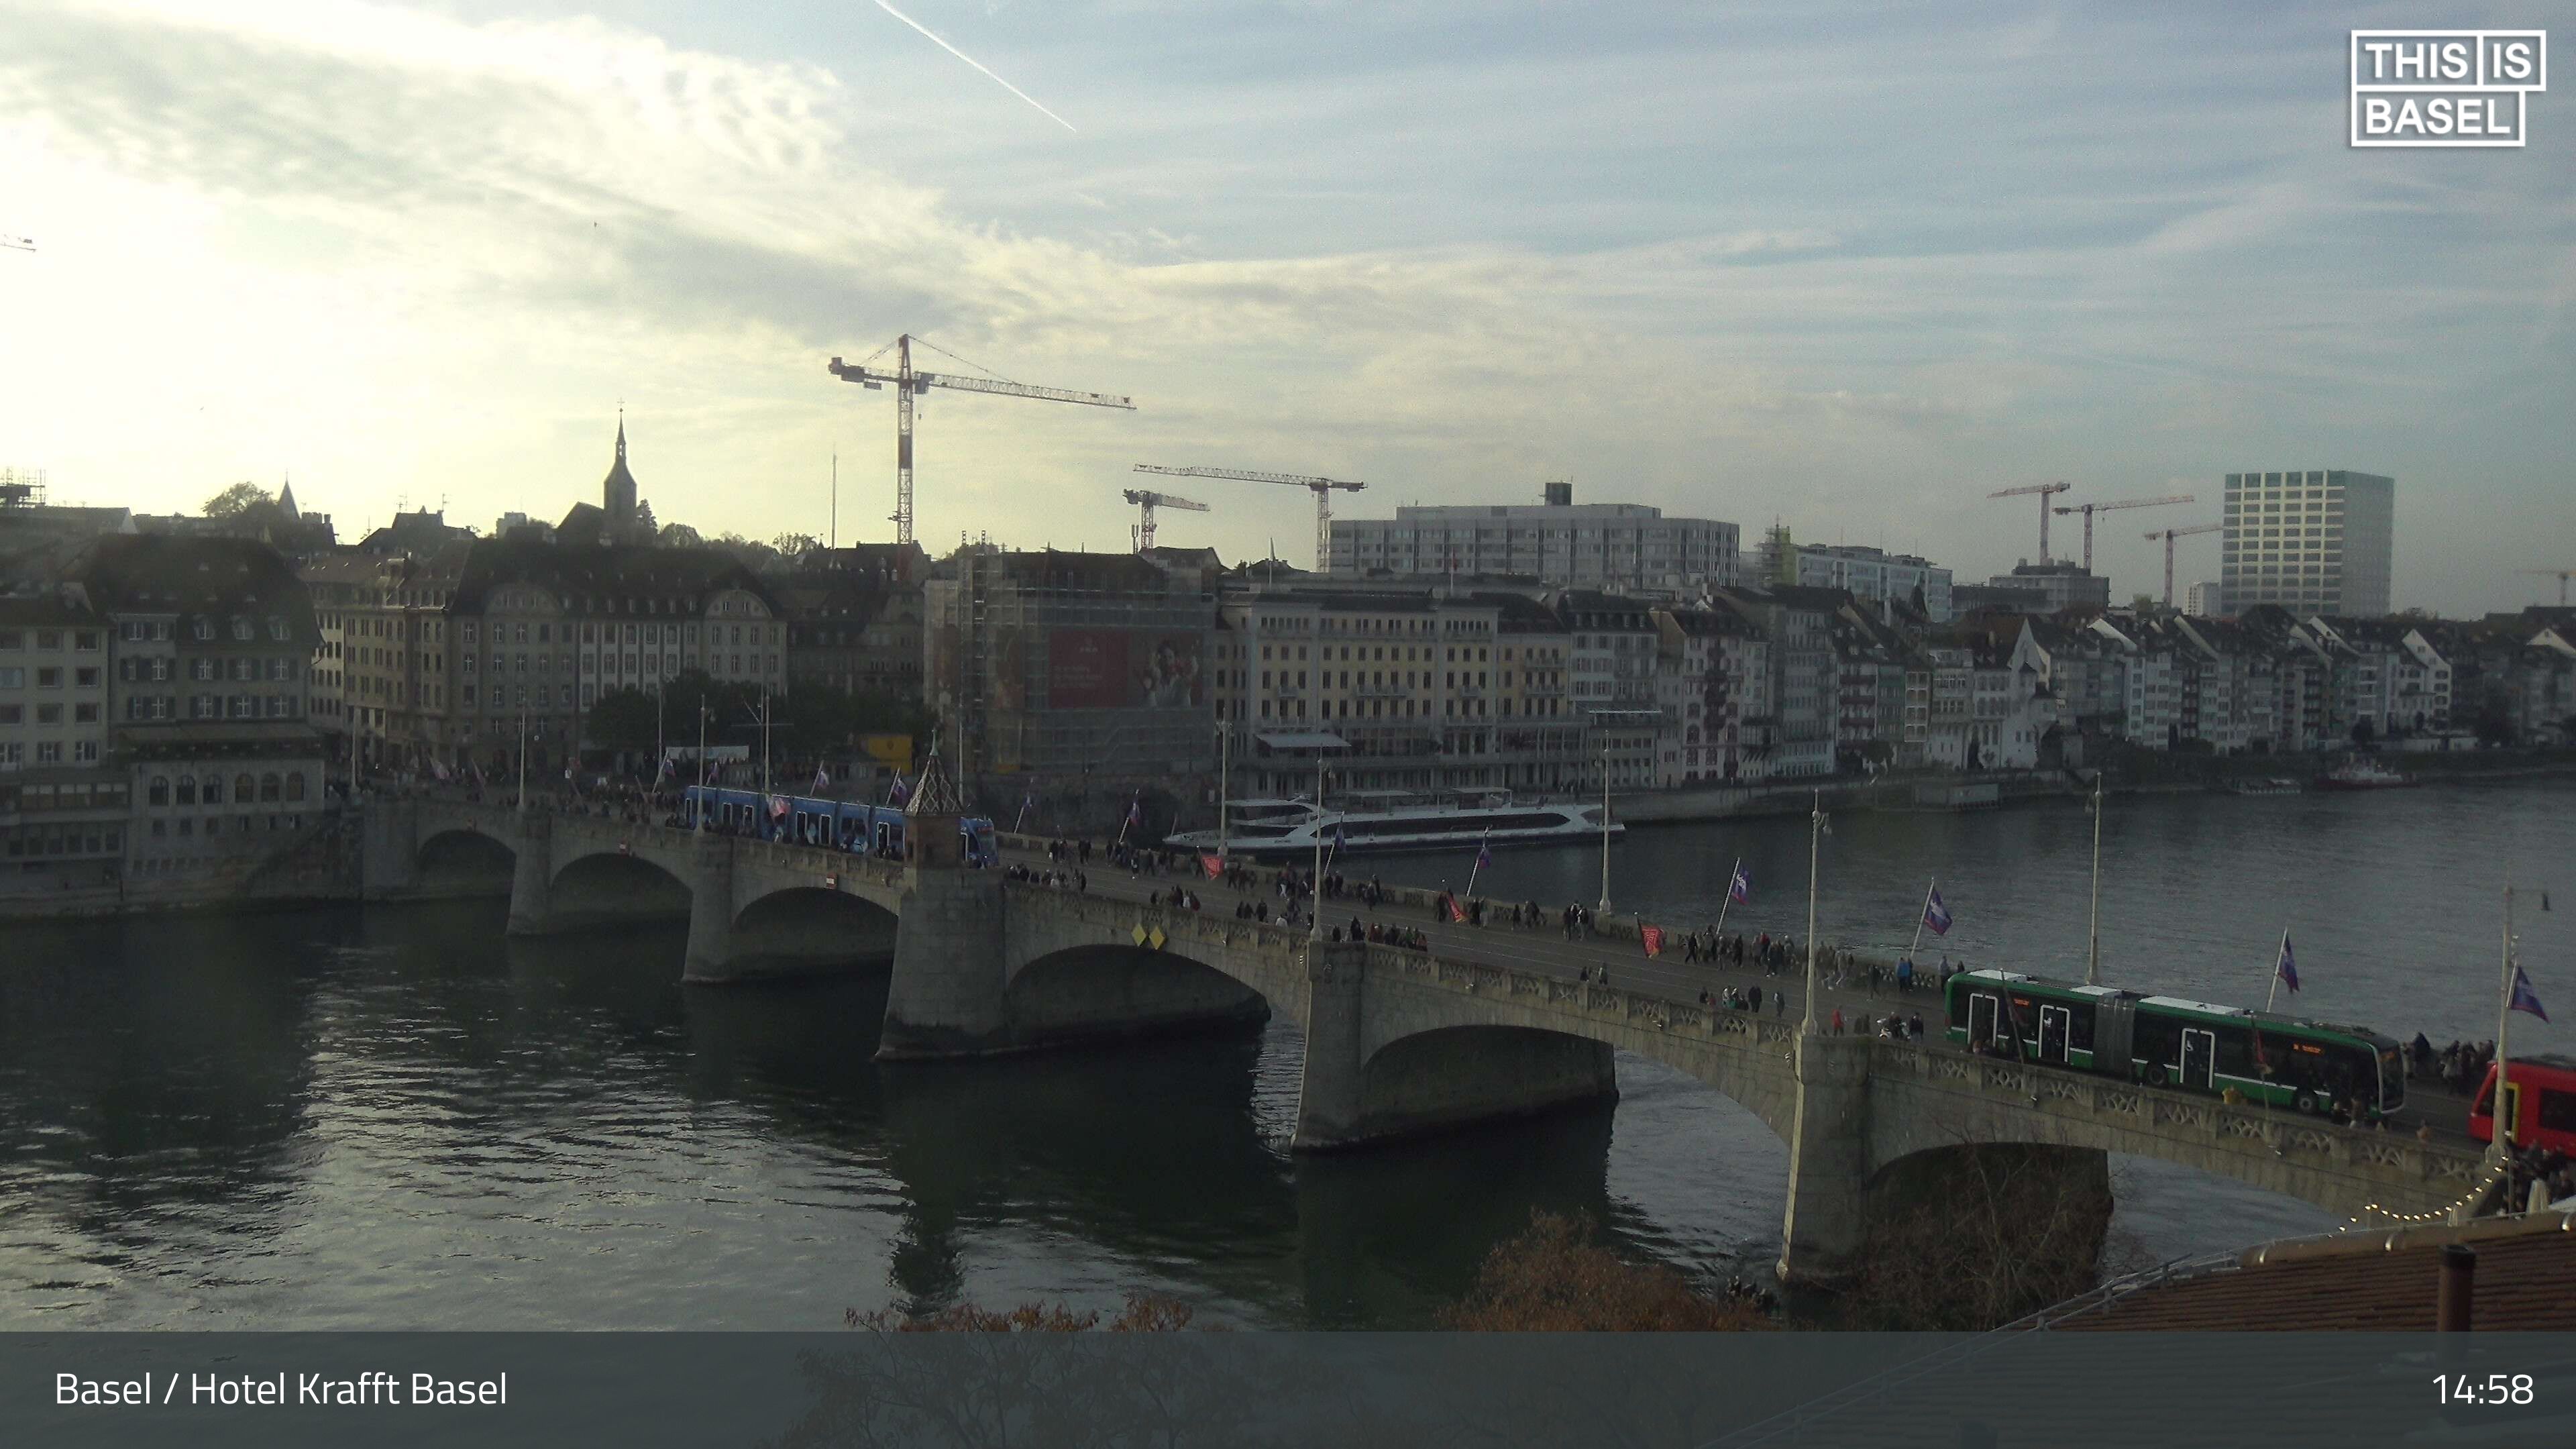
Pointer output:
2171, 1112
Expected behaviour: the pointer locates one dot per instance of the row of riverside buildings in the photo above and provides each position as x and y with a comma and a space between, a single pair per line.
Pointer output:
178, 697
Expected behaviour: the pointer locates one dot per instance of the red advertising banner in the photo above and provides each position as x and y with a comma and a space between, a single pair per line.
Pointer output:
1122, 669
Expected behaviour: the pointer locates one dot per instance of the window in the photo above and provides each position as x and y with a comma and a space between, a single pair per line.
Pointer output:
214, 790
203, 629
241, 629
269, 789
49, 679
242, 788
187, 790
159, 791
295, 786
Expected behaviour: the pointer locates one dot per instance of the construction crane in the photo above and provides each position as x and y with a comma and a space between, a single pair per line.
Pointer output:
1146, 502
2561, 575
909, 383
15, 242
2169, 535
2044, 490
1321, 487
2089, 509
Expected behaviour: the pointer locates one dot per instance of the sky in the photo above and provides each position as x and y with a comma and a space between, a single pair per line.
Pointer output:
1846, 266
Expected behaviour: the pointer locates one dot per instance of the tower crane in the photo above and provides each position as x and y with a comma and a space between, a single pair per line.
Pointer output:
2169, 535
2561, 575
2089, 509
1321, 487
909, 384
1146, 501
2044, 490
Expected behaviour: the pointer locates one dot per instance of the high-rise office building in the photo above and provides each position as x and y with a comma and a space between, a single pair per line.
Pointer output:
2315, 542
2202, 600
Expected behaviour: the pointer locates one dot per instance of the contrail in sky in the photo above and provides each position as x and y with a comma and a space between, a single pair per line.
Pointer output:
970, 60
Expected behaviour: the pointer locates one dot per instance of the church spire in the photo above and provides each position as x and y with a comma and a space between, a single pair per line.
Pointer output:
621, 432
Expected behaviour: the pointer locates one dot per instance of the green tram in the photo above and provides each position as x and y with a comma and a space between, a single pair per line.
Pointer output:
2166, 1041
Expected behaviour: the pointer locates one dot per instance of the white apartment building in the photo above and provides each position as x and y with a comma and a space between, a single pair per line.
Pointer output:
1564, 544
1871, 573
2313, 542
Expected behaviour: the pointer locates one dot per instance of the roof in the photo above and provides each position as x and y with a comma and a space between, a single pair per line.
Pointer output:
2385, 1282
212, 576
604, 579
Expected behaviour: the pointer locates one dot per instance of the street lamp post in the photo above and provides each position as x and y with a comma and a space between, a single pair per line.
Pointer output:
1224, 778
702, 765
1605, 827
1815, 838
1315, 928
2093, 951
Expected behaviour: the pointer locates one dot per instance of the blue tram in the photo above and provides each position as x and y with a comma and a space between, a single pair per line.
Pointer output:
852, 825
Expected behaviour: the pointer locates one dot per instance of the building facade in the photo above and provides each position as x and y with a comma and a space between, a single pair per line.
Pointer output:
1875, 574
1560, 543
2319, 541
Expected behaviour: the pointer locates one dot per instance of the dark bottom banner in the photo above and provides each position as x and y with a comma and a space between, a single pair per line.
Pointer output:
1048, 1390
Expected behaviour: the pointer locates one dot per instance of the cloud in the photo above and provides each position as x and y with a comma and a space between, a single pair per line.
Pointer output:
1713, 261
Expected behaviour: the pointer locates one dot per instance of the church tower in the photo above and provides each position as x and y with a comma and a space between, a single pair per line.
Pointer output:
617, 492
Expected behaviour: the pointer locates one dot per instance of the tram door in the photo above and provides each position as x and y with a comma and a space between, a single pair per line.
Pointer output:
2052, 1033
1981, 1017
2199, 1053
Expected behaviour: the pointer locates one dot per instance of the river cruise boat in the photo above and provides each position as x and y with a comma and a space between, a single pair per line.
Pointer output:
2276, 785
1379, 821
2362, 773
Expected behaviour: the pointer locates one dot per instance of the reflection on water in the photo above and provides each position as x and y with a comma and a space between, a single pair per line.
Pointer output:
401, 1118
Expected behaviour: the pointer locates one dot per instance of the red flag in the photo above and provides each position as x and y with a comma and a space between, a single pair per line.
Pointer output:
1455, 913
1653, 936
1214, 865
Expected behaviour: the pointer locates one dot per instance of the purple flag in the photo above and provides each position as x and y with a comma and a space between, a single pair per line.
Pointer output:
1740, 890
2288, 969
2524, 998
1936, 915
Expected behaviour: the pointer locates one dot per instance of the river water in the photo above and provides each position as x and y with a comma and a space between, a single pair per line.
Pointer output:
397, 1118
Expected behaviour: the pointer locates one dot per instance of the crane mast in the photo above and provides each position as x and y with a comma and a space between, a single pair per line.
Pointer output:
2169, 535
909, 382
1146, 501
2044, 490
2561, 575
1322, 488
2089, 509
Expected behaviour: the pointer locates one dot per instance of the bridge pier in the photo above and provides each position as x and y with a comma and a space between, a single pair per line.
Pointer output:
532, 876
710, 958
1822, 1228
1328, 1090
947, 995
388, 849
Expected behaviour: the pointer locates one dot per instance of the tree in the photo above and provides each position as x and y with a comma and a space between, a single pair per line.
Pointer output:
1557, 1277
792, 548
237, 500
2143, 603
680, 535
626, 718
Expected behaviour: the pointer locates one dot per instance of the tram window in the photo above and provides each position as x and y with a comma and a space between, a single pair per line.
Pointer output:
2557, 1110
2080, 1035
2235, 1053
2156, 1040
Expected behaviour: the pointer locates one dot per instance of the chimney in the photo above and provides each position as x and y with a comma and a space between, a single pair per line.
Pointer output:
2452, 1309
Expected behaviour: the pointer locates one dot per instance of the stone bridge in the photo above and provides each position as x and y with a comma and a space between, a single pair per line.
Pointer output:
1398, 1042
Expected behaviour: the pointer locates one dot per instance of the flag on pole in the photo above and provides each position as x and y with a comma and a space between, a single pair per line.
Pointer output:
899, 793
663, 773
822, 780
479, 781
2524, 998
777, 807
1136, 808
1213, 864
1653, 936
438, 767
2287, 969
1338, 841
1450, 903
1484, 855
1935, 914
1740, 890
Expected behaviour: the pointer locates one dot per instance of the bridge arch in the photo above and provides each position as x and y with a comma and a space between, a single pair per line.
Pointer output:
1108, 989
458, 861
812, 924
1448, 1076
607, 888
